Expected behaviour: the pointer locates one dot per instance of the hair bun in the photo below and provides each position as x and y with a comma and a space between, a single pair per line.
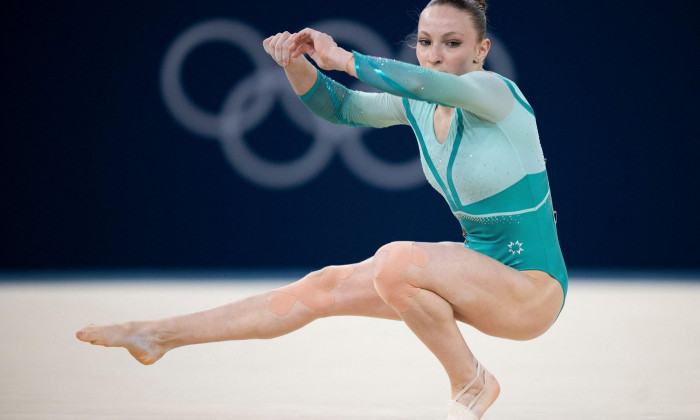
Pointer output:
483, 4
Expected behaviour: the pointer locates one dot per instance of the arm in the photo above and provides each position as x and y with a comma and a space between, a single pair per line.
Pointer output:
300, 72
325, 97
335, 103
482, 93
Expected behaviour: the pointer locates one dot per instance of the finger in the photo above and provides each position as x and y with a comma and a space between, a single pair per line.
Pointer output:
308, 31
301, 49
314, 56
269, 45
284, 46
291, 43
306, 49
289, 46
279, 53
297, 40
308, 35
316, 36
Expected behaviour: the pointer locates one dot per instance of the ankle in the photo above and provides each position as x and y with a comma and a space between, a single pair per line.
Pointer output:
468, 376
149, 332
161, 337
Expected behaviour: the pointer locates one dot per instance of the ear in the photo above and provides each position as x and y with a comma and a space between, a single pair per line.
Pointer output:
483, 50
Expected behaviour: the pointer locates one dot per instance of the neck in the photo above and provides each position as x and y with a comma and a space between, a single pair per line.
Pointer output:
444, 109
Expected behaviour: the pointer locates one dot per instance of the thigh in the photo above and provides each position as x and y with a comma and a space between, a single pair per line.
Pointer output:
493, 298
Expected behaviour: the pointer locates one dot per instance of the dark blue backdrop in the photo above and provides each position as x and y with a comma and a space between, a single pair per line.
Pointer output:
96, 172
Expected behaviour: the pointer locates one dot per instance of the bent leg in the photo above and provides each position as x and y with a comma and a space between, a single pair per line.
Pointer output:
335, 290
430, 286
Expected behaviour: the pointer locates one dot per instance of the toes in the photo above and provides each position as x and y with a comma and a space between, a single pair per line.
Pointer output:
87, 334
82, 335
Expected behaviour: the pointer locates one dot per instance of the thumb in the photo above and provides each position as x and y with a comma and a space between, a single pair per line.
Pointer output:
311, 52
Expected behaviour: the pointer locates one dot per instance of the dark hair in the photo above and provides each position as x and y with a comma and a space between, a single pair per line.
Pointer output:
474, 8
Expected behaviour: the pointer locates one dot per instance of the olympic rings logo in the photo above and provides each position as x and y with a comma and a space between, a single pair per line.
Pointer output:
251, 100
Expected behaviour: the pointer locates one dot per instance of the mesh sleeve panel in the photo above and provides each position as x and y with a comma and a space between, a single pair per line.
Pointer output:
335, 103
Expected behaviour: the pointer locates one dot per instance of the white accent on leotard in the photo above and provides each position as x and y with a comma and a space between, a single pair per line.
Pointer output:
463, 215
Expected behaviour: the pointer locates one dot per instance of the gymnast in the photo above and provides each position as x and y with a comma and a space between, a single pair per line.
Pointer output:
479, 148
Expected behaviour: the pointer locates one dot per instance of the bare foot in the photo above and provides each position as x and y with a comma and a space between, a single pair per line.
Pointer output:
491, 390
136, 337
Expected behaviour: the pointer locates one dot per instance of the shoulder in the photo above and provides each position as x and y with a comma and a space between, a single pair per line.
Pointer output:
512, 86
487, 80
517, 94
497, 84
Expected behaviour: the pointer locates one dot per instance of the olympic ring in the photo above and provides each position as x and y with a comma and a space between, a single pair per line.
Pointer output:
251, 100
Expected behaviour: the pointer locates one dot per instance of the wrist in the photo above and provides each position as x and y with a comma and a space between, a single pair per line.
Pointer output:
340, 58
349, 63
297, 64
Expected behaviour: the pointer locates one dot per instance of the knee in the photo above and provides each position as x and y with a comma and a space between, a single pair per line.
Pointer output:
393, 273
390, 262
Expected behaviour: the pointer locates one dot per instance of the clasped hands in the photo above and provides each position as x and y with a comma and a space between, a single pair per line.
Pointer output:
288, 49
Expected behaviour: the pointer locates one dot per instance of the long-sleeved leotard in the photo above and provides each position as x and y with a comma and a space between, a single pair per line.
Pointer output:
490, 169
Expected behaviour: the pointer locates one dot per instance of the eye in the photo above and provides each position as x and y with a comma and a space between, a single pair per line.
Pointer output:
453, 44
423, 42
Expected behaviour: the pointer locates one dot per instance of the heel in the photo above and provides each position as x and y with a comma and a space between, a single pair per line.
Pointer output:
457, 411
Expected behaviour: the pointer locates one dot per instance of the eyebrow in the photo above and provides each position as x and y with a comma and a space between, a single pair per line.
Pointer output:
445, 35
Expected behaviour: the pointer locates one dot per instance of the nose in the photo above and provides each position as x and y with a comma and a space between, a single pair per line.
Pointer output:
434, 56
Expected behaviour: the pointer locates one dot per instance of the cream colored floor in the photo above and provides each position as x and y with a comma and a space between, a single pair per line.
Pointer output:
620, 350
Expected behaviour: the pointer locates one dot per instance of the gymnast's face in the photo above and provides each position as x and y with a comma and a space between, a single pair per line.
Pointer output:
448, 42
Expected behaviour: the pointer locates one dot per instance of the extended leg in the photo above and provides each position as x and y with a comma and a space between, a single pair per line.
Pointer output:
335, 290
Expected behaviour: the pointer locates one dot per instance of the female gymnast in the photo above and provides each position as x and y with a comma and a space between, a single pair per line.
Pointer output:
479, 148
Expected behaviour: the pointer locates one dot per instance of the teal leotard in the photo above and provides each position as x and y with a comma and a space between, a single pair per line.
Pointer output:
490, 169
